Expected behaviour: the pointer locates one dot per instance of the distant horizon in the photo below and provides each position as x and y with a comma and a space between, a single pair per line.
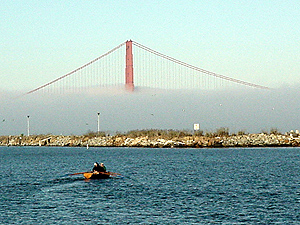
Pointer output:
189, 132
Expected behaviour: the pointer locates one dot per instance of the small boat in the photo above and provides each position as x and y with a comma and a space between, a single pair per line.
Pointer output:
100, 175
97, 175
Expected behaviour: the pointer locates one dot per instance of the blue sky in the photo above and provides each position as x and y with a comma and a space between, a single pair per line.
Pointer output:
255, 41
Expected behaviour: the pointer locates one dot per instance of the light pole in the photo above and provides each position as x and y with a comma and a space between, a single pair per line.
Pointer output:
98, 130
28, 126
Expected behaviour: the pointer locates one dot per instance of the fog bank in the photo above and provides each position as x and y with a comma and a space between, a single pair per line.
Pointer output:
250, 110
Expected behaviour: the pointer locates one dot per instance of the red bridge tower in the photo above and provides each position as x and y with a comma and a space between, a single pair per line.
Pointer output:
129, 67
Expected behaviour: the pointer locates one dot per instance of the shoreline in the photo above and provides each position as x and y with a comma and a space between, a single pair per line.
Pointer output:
193, 141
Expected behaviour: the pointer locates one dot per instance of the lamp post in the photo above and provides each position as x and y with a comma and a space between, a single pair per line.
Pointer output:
28, 126
98, 130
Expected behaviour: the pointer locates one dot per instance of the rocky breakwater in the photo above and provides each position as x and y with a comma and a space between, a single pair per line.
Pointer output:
249, 140
259, 140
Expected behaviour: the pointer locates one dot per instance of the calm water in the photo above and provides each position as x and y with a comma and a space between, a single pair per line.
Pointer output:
158, 186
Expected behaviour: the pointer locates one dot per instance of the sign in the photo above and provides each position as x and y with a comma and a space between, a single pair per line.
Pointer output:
196, 126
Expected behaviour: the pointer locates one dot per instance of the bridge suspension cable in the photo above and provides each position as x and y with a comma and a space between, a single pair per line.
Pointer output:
197, 68
76, 70
150, 71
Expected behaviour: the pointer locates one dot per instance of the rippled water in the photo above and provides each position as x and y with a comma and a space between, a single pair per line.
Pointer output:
157, 186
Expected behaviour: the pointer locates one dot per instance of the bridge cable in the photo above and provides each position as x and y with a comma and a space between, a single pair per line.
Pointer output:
197, 68
76, 70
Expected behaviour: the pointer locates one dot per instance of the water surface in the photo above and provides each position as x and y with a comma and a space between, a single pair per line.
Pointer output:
157, 186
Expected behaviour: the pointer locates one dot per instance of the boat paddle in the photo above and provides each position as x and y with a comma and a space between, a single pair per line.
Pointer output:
107, 173
79, 173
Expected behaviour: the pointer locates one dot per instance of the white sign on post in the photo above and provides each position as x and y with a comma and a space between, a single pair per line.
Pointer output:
196, 126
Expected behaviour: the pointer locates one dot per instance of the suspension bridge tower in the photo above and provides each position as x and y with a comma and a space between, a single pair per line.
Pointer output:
129, 67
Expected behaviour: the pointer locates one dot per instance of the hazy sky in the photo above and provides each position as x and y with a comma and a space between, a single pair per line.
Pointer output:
248, 110
255, 41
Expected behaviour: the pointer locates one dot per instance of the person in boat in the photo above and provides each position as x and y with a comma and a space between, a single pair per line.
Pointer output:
103, 167
99, 168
